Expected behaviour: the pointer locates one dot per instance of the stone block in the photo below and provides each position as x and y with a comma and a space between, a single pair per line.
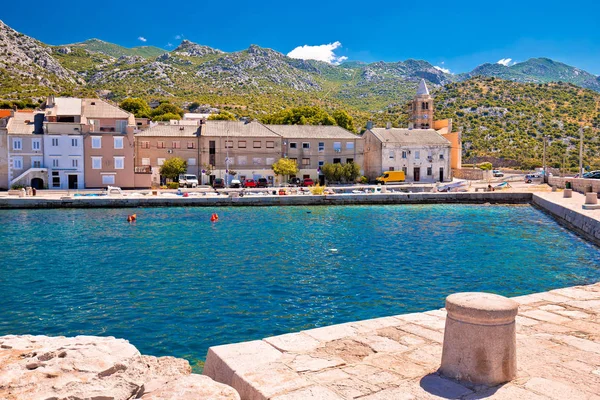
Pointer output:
568, 193
310, 393
591, 198
555, 390
480, 338
293, 342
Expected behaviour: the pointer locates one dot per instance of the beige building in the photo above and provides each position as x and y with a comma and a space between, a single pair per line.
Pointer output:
108, 140
216, 147
26, 150
312, 146
4, 151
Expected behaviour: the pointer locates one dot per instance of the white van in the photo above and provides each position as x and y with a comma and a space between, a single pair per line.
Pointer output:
186, 180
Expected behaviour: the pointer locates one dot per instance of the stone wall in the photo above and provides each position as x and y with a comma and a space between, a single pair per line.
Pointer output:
579, 185
472, 174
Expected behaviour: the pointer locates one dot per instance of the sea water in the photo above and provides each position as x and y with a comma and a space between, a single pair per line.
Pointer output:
173, 283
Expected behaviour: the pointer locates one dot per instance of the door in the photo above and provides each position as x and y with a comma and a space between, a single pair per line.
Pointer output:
72, 181
441, 174
417, 174
37, 183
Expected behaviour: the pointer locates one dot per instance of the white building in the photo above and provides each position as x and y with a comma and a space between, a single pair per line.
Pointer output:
63, 143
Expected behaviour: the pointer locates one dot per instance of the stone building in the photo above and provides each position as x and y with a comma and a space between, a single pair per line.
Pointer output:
26, 150
4, 116
421, 108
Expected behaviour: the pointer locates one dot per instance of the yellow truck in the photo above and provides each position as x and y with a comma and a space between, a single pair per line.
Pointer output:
391, 177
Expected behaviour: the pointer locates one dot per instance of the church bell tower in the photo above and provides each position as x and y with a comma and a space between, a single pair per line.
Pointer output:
421, 108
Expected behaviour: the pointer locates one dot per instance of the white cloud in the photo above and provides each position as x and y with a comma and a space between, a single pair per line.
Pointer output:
169, 44
143, 39
506, 62
179, 37
324, 52
444, 70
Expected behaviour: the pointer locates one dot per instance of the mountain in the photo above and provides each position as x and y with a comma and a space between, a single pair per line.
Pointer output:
538, 70
116, 51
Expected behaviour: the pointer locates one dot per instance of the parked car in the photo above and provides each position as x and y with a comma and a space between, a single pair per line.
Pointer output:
186, 181
497, 173
235, 184
592, 175
219, 183
308, 182
530, 177
262, 183
250, 183
295, 181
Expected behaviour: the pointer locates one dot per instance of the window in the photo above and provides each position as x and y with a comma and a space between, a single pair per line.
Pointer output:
160, 145
337, 147
429, 171
96, 142
306, 162
241, 144
96, 162
257, 160
349, 160
257, 144
404, 154
36, 144
229, 144
392, 154
441, 156
321, 146
176, 145
55, 144
321, 163
108, 179
74, 163
121, 126
37, 164
55, 162
18, 162
295, 160
305, 145
118, 142
74, 142
337, 160
270, 144
417, 155
242, 160
145, 161
191, 145
160, 161
55, 179
349, 145
17, 144
270, 161
293, 145
119, 162
145, 145
391, 168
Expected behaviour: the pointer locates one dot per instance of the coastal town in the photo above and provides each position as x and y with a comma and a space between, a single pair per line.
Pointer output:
72, 143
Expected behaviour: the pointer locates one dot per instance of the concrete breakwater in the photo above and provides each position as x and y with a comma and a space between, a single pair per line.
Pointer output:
271, 200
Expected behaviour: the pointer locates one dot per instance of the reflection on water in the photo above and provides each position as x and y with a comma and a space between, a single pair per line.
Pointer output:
173, 283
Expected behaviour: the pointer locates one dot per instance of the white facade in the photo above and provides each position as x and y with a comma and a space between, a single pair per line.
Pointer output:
420, 163
63, 157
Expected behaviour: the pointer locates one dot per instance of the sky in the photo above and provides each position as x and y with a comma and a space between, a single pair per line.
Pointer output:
455, 36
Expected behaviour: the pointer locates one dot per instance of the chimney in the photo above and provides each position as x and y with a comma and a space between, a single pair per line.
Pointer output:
369, 125
50, 101
388, 125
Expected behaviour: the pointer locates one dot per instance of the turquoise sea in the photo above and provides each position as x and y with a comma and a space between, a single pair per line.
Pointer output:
173, 283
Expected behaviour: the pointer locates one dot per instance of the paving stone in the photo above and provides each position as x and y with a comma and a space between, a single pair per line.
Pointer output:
389, 394
293, 342
546, 316
555, 390
266, 381
352, 388
423, 332
573, 314
437, 313
333, 332
306, 362
402, 337
402, 366
382, 344
327, 376
310, 393
438, 386
551, 307
371, 325
428, 321
591, 305
581, 344
505, 392
585, 326
551, 328
524, 321
577, 294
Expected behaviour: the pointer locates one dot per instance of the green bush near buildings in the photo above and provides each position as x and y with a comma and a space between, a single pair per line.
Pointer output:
172, 185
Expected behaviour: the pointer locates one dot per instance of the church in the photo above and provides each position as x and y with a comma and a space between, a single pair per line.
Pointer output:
426, 151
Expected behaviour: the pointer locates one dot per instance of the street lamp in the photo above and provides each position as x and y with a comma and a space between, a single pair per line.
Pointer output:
544, 160
581, 150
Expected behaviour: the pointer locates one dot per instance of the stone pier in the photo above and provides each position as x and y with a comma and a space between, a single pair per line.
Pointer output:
398, 357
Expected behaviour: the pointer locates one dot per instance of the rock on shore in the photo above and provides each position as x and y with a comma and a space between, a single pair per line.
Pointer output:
96, 368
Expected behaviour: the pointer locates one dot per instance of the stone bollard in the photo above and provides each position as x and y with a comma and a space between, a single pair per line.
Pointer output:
568, 193
554, 188
480, 338
591, 198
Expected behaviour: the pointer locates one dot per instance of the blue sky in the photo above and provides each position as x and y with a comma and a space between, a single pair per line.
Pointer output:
453, 35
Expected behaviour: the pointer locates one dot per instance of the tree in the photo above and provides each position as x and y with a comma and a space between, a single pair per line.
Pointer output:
351, 171
305, 115
333, 172
285, 167
223, 116
173, 167
167, 108
137, 107
166, 117
343, 120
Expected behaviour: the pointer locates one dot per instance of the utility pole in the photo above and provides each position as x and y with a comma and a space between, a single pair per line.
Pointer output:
581, 152
544, 161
